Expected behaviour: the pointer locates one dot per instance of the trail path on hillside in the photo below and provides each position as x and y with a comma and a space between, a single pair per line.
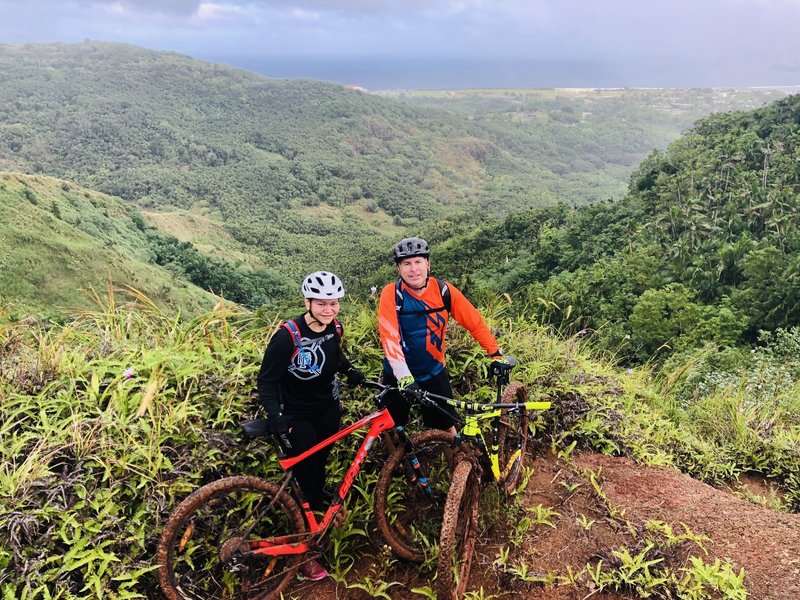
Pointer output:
766, 543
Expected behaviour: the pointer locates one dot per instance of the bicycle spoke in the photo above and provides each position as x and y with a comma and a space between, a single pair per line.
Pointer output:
203, 552
513, 437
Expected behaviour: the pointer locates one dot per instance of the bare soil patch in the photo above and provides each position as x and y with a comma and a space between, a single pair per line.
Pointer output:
763, 542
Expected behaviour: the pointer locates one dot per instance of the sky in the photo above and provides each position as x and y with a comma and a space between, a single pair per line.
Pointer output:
448, 43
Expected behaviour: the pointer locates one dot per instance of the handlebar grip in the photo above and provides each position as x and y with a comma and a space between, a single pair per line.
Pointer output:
419, 396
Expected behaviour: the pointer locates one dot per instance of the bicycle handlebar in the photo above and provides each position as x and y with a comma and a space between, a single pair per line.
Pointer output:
373, 384
430, 399
478, 407
259, 428
412, 396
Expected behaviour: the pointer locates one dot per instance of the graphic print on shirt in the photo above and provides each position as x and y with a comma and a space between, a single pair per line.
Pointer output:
308, 361
436, 325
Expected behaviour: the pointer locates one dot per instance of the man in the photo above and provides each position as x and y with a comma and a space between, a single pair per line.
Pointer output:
412, 320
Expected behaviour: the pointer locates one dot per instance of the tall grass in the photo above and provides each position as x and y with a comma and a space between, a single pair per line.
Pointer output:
108, 420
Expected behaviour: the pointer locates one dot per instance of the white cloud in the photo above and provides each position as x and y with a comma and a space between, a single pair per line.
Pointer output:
207, 10
306, 15
211, 11
116, 8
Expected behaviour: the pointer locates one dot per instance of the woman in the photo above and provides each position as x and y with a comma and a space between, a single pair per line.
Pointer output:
297, 386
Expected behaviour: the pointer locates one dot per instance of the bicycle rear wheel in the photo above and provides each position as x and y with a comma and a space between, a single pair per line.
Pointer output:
204, 551
459, 531
411, 492
513, 436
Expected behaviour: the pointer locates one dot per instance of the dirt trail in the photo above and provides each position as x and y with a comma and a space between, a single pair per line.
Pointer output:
764, 542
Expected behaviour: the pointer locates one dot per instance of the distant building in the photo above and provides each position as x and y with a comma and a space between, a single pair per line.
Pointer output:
357, 88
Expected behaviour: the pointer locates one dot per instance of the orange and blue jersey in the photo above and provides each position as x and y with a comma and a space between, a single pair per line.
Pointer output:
413, 339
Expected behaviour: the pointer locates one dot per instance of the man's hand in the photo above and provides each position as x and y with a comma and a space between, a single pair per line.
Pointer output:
407, 384
504, 362
501, 367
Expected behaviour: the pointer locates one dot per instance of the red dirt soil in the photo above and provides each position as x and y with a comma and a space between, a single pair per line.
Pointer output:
764, 542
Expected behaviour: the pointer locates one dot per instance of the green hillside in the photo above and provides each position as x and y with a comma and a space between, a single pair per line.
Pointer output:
257, 155
585, 141
60, 245
253, 181
704, 247
302, 173
66, 244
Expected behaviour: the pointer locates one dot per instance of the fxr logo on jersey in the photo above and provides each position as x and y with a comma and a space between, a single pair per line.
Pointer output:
434, 340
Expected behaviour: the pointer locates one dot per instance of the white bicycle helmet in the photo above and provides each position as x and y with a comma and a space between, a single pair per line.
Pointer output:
322, 286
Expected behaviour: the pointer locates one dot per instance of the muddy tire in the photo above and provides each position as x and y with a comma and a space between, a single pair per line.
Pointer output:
409, 515
201, 555
514, 432
459, 532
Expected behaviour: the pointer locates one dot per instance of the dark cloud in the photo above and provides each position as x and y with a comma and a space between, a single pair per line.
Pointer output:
358, 6
170, 7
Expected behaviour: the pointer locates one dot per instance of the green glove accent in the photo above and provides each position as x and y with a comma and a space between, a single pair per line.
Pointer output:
405, 381
504, 361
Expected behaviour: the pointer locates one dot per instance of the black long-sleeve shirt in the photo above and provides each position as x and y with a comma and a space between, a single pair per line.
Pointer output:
302, 384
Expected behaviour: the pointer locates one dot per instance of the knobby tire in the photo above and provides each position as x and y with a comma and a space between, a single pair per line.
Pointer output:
202, 556
514, 431
459, 532
408, 518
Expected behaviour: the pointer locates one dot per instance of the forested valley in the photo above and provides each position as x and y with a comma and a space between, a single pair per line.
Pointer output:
255, 172
636, 250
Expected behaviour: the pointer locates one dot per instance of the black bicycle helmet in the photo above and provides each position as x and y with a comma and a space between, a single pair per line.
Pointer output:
411, 247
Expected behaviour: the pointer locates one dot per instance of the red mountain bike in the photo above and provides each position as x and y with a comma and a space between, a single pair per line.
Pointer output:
244, 537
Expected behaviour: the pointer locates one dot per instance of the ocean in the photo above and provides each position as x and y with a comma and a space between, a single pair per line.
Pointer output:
381, 73
439, 73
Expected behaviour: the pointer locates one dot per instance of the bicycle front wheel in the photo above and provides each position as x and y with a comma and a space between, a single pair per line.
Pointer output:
411, 492
459, 532
206, 549
513, 436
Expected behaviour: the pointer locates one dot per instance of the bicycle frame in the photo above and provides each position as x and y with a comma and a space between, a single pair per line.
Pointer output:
244, 535
478, 412
378, 422
472, 431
